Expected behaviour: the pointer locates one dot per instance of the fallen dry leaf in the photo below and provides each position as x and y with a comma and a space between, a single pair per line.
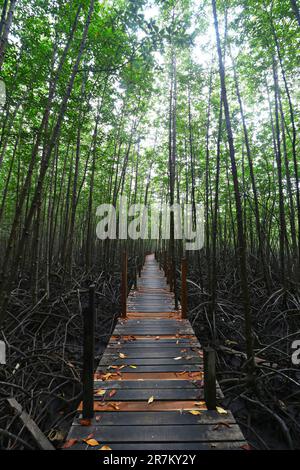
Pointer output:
69, 443
114, 406
100, 392
151, 400
133, 366
91, 442
112, 393
221, 411
105, 448
106, 376
195, 412
157, 337
122, 355
98, 418
246, 447
177, 358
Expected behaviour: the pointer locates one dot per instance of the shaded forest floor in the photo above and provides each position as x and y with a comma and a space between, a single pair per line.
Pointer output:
269, 413
44, 353
45, 350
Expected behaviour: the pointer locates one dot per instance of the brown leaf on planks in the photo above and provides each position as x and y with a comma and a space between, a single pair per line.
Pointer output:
69, 443
106, 376
132, 338
114, 406
91, 442
246, 447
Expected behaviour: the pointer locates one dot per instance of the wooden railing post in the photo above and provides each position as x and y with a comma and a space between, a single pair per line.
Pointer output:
183, 288
168, 271
135, 273
210, 378
170, 274
88, 356
124, 285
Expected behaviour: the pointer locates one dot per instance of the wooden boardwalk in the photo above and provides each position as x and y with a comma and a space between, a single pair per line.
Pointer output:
149, 383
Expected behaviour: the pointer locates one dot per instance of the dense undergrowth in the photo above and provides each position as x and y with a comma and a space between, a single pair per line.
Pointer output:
44, 353
269, 410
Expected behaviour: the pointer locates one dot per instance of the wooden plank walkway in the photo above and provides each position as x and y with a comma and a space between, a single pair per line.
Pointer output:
149, 383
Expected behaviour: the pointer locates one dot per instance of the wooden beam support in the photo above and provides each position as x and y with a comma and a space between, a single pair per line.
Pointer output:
135, 273
40, 439
210, 394
183, 288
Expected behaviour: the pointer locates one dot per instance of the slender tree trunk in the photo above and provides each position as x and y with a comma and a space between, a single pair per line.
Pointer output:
6, 25
282, 234
296, 10
239, 213
253, 183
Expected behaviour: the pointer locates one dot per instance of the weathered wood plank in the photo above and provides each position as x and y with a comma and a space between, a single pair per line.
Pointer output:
157, 368
146, 384
166, 446
160, 361
174, 433
141, 353
31, 426
157, 418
